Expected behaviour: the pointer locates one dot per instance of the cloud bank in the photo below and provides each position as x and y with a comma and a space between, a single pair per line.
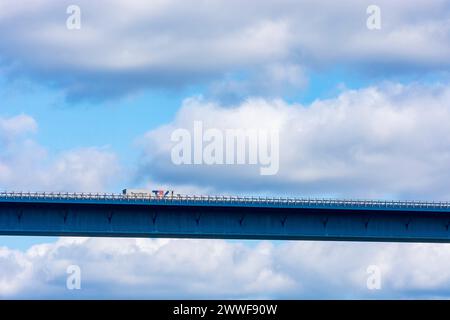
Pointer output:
386, 141
164, 268
245, 49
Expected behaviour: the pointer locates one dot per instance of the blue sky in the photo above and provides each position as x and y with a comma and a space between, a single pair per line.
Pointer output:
361, 112
64, 125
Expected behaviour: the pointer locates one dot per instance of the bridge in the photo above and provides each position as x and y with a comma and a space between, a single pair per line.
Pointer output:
220, 217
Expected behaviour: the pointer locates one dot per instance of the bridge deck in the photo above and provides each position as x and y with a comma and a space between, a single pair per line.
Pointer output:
229, 201
116, 215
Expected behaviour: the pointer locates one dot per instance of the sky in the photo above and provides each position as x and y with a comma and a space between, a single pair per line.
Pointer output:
90, 98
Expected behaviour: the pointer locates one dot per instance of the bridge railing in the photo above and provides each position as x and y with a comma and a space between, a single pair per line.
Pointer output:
308, 202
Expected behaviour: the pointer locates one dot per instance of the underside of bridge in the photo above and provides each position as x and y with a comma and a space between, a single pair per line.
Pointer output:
221, 222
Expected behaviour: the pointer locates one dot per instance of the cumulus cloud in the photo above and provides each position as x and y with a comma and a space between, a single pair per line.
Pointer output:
164, 268
25, 165
388, 141
125, 46
19, 125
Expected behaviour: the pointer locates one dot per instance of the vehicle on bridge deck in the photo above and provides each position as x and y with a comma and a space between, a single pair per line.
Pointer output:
143, 193
136, 192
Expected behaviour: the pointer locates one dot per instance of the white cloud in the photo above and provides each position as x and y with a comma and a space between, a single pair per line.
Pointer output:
123, 46
86, 169
18, 125
163, 268
387, 141
27, 166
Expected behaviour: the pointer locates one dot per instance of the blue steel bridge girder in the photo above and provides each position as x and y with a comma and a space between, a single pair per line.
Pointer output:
234, 219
